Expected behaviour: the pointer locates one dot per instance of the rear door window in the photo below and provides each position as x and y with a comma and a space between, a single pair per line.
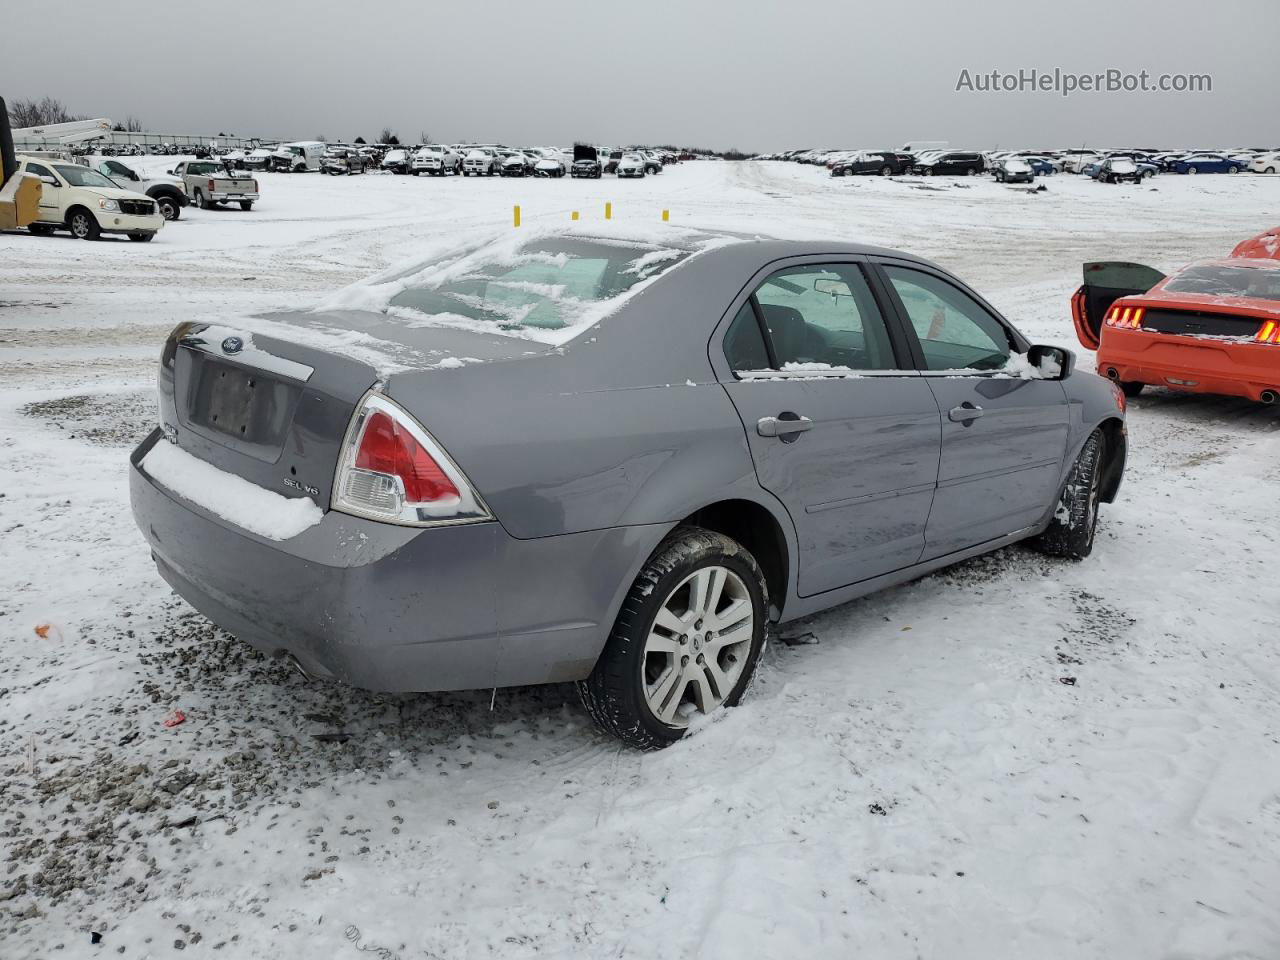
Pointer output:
820, 318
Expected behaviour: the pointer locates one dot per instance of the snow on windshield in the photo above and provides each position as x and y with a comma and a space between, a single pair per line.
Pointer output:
546, 287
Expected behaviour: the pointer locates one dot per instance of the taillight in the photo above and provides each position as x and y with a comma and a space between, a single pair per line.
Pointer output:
1128, 317
1269, 333
391, 469
255, 185
211, 186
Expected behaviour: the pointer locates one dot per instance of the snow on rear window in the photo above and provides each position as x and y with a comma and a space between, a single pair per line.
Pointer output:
1219, 280
546, 286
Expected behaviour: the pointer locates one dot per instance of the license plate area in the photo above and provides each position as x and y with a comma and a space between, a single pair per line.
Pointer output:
240, 408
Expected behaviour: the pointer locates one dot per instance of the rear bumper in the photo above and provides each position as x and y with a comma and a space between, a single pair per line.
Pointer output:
1196, 365
219, 197
394, 608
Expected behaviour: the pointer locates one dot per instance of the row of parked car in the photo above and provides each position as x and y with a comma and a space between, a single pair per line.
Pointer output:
1112, 166
440, 159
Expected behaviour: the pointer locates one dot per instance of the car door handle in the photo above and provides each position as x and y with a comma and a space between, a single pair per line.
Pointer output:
966, 413
783, 425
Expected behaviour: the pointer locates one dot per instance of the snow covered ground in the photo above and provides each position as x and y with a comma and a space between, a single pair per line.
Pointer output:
1016, 757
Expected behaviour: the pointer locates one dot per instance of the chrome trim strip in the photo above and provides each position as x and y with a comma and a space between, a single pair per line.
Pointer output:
209, 341
821, 374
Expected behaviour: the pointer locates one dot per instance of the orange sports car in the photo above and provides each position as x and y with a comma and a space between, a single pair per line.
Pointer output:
1211, 327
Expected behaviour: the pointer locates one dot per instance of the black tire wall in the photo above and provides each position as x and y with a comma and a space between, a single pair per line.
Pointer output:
8, 160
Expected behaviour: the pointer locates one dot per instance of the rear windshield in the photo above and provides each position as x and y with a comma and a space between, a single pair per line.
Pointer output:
1222, 281
548, 284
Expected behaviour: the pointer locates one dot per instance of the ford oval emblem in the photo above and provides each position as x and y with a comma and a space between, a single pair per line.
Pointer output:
232, 345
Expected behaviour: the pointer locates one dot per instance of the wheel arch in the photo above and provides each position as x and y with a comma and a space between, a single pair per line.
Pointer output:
71, 212
1117, 450
757, 528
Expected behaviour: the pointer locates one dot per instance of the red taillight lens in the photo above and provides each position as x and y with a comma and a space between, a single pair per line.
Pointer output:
211, 186
386, 447
1269, 332
1128, 317
393, 470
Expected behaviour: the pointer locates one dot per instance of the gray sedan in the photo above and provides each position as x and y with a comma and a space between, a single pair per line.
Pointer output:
607, 458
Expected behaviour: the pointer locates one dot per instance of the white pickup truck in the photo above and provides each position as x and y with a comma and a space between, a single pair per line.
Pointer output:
169, 193
209, 183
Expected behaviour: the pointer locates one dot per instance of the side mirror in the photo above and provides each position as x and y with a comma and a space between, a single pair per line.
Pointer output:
50, 182
1054, 363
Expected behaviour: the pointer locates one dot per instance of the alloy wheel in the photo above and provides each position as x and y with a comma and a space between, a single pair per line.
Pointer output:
698, 645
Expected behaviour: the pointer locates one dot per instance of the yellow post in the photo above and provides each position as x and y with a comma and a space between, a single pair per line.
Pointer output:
666, 215
515, 214
608, 211
574, 215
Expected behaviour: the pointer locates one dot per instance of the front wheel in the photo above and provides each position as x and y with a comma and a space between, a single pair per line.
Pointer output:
169, 208
686, 641
1075, 518
83, 226
886, 170
1192, 170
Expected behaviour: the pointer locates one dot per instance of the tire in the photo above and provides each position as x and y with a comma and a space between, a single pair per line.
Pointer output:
886, 171
970, 171
246, 204
82, 224
1233, 169
631, 672
1132, 388
169, 208
1075, 520
39, 229
201, 202
1192, 171
999, 178
1271, 169
141, 237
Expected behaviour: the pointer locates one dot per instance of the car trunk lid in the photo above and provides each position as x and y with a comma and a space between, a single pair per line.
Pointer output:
1105, 283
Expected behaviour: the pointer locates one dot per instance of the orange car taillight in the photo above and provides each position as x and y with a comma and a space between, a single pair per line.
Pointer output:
1128, 317
391, 469
1269, 332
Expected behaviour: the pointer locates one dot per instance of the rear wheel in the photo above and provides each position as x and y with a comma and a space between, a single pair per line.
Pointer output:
1192, 170
1075, 519
686, 641
1131, 388
40, 229
141, 237
201, 202
246, 204
886, 170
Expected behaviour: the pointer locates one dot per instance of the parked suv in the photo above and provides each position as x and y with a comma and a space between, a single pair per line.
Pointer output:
952, 162
88, 204
169, 193
342, 161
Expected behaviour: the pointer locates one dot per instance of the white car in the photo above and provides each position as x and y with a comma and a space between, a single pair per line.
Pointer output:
550, 162
1077, 162
631, 165
482, 162
88, 204
1266, 163
436, 160
259, 159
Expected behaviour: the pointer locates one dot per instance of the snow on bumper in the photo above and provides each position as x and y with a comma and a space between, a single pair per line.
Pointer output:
394, 608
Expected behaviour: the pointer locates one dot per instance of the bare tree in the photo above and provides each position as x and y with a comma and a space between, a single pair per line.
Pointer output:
424, 137
132, 124
322, 138
39, 113
388, 136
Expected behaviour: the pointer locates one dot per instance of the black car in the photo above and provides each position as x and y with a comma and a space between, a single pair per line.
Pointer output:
586, 162
883, 162
954, 163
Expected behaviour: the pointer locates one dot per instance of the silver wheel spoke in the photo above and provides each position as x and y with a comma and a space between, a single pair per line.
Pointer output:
703, 694
666, 693
731, 637
684, 652
669, 621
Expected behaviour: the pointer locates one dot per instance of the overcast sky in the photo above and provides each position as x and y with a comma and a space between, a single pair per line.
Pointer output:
753, 74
